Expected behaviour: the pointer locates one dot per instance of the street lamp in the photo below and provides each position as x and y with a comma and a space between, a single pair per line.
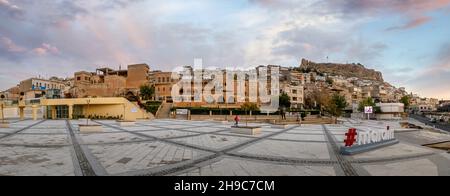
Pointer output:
2, 105
87, 112
124, 111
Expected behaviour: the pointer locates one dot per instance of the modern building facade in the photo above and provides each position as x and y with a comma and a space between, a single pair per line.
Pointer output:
37, 87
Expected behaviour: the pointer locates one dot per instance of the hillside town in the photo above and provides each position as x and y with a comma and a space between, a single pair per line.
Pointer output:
306, 85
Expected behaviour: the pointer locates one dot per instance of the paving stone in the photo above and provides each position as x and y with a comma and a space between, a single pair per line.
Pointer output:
109, 137
167, 133
122, 158
120, 150
300, 137
287, 149
142, 128
205, 129
21, 161
397, 150
50, 130
211, 141
306, 131
240, 167
36, 140
7, 130
421, 167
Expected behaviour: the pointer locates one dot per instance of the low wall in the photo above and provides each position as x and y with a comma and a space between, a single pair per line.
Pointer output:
13, 112
132, 112
263, 118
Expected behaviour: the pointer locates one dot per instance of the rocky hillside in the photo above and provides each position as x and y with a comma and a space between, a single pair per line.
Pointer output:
346, 70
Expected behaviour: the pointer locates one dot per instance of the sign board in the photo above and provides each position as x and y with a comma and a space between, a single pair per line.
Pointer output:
182, 111
134, 110
362, 141
368, 110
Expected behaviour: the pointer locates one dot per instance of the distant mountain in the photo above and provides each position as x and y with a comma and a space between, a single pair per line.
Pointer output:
346, 70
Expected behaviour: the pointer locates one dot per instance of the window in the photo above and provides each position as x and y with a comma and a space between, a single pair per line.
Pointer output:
164, 89
78, 78
294, 91
159, 80
294, 98
86, 78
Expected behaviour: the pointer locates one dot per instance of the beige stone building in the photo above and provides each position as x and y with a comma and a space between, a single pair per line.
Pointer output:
163, 83
106, 82
37, 87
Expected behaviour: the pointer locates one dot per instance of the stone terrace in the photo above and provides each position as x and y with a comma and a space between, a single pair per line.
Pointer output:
174, 147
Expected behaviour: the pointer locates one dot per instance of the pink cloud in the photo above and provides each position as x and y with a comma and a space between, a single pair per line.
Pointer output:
7, 4
415, 11
415, 22
10, 46
46, 49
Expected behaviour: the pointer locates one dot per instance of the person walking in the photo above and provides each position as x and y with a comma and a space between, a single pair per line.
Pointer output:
237, 119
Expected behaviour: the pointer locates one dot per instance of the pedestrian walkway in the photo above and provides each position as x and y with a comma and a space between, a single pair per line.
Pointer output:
203, 148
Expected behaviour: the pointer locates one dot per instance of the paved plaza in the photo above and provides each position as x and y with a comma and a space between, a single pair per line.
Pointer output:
208, 148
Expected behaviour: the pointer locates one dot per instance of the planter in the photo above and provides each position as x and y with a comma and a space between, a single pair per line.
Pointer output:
280, 126
124, 123
246, 130
91, 128
4, 124
84, 120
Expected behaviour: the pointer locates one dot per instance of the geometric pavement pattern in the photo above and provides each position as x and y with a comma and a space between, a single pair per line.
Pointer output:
204, 148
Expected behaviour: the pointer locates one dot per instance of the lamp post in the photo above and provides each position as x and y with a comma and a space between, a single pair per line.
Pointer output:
1, 105
87, 112
124, 111
225, 99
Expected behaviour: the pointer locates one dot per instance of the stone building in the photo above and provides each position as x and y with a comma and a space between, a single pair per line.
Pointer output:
106, 82
163, 83
37, 87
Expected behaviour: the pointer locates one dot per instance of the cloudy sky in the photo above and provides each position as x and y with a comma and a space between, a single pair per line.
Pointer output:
408, 40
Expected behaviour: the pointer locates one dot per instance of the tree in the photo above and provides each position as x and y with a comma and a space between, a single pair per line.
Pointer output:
366, 103
330, 81
285, 101
250, 107
147, 92
337, 105
406, 100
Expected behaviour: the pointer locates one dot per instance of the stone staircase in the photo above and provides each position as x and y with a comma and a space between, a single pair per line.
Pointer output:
164, 111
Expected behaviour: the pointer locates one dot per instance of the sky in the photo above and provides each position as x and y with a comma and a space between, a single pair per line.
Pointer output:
407, 40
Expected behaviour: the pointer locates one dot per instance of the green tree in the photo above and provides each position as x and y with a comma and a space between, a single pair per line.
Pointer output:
330, 81
336, 105
285, 101
250, 107
147, 92
406, 100
365, 103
